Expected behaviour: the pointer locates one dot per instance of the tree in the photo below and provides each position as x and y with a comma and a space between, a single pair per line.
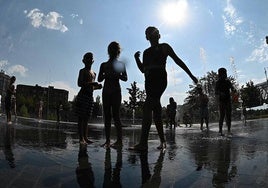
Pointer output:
24, 111
251, 95
136, 99
97, 108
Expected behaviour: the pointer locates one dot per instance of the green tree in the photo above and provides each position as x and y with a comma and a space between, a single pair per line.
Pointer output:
24, 111
136, 99
251, 95
97, 108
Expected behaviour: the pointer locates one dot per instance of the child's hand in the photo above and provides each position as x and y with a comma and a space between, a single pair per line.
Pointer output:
137, 55
97, 86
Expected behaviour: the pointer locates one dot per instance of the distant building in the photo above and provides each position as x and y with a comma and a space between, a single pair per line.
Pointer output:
4, 81
50, 96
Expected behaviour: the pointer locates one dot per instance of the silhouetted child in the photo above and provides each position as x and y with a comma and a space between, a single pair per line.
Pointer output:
223, 92
154, 70
10, 95
84, 99
203, 105
111, 72
171, 112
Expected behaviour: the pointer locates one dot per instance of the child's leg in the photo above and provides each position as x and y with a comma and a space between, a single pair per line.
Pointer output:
206, 119
146, 122
107, 118
157, 112
228, 115
201, 124
222, 115
116, 116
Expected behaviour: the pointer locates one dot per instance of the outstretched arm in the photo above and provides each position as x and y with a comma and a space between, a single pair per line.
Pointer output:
180, 63
138, 61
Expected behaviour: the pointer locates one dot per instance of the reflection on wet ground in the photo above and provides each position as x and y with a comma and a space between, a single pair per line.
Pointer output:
46, 154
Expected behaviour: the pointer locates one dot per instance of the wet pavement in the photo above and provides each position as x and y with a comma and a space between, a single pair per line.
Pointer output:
46, 154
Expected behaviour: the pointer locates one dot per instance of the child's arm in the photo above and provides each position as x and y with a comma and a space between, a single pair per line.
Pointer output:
179, 62
80, 79
138, 61
101, 75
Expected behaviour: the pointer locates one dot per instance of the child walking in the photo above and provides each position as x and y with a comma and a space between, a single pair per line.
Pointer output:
154, 69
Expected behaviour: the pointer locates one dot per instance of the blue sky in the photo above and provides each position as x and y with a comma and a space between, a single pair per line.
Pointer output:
42, 42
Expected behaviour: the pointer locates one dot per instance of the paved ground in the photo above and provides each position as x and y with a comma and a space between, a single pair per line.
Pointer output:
44, 154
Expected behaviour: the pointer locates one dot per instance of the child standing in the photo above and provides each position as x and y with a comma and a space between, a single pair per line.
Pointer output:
222, 91
171, 112
84, 100
203, 104
112, 71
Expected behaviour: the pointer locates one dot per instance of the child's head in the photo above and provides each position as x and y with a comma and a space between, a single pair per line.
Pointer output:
222, 72
152, 33
88, 58
114, 50
171, 100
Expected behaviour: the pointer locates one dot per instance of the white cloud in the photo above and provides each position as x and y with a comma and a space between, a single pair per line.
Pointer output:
230, 19
260, 54
65, 86
20, 69
50, 21
17, 69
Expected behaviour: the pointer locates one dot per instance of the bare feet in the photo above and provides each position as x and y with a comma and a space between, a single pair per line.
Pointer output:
163, 145
83, 142
106, 145
88, 141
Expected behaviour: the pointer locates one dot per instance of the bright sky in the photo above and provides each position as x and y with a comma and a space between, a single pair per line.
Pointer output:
42, 42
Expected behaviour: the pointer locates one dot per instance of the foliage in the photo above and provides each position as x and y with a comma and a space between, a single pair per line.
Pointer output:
24, 111
97, 108
251, 95
136, 99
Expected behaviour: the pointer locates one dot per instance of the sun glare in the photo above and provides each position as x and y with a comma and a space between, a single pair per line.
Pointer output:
175, 12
